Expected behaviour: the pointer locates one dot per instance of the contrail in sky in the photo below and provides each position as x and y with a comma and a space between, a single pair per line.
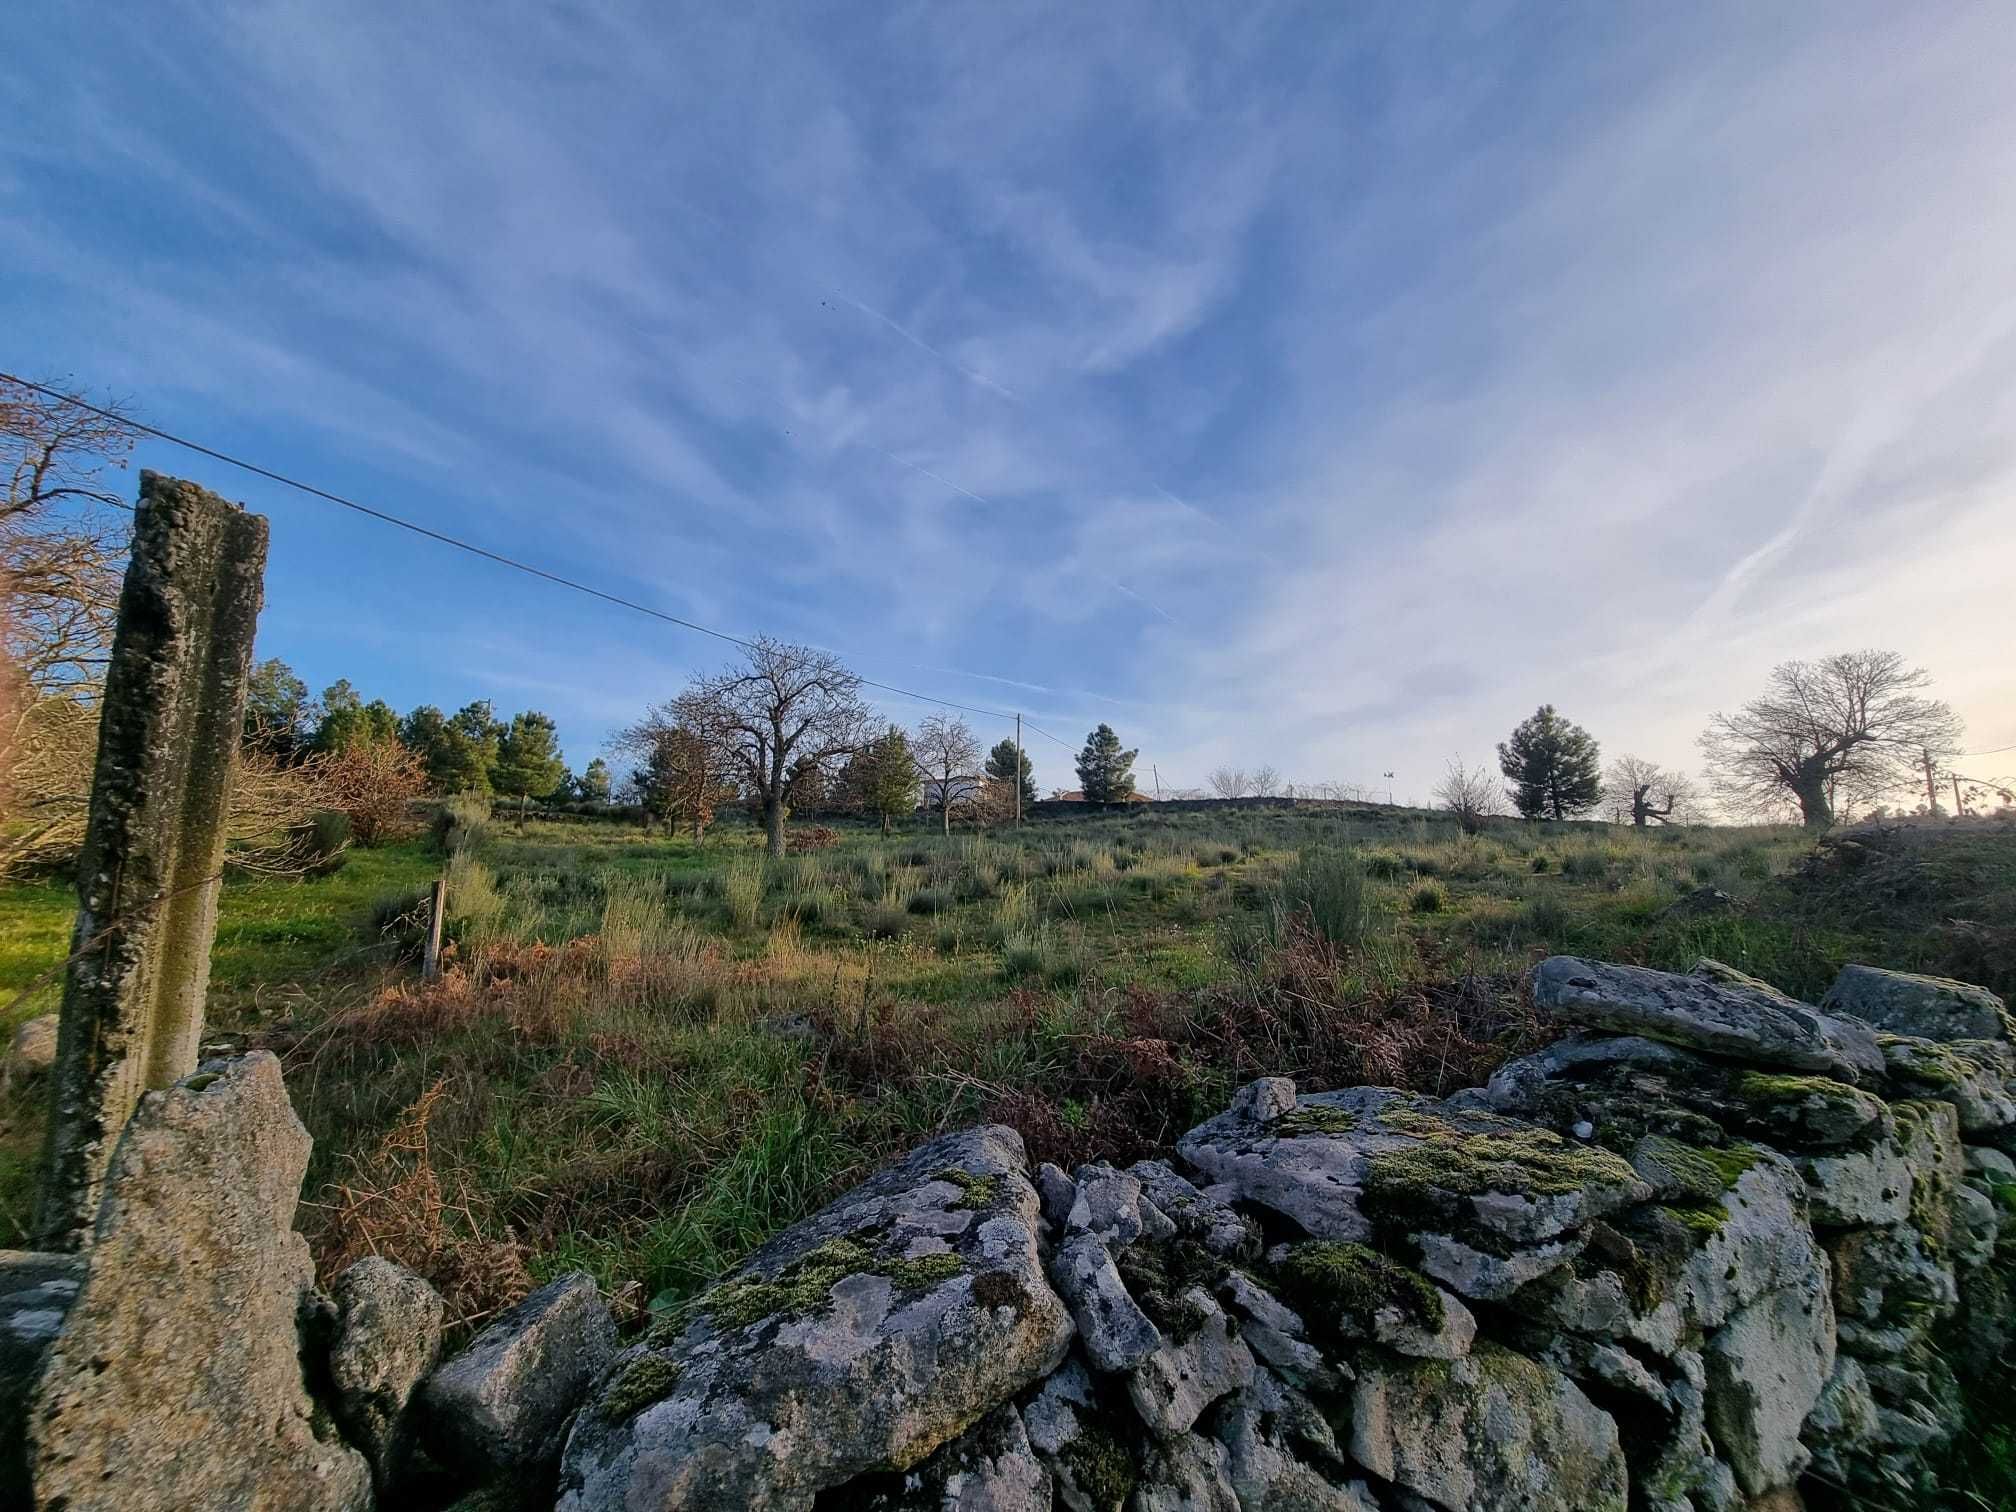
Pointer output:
924, 346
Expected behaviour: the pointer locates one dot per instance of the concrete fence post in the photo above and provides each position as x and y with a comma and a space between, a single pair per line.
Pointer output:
172, 715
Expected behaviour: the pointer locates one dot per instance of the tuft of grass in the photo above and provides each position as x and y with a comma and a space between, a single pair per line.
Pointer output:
1427, 897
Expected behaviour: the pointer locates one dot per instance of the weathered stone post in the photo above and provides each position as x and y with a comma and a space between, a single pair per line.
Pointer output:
147, 886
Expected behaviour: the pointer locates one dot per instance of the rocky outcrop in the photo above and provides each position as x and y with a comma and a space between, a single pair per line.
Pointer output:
30, 1053
1711, 1242
1711, 1246
175, 1378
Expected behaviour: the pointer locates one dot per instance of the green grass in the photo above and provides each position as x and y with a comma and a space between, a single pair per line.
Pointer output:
656, 1053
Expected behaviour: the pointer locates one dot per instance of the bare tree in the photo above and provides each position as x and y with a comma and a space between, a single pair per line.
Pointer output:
1267, 782
1856, 719
1645, 791
1230, 782
62, 549
1472, 795
785, 710
948, 759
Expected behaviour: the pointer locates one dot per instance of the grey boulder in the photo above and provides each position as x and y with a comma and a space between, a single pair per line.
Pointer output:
1495, 1432
1714, 1008
1934, 1008
503, 1404
176, 1379
858, 1341
386, 1339
1115, 1333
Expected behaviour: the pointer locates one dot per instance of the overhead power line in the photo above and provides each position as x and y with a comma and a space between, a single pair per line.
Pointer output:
516, 565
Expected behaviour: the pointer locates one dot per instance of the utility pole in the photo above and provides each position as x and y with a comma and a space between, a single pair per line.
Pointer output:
1158, 780
1931, 782
1018, 771
1959, 803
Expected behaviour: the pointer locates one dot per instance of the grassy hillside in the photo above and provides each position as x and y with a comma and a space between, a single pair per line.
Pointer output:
647, 1055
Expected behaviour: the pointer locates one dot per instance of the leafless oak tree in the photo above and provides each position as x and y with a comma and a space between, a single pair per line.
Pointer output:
1230, 782
948, 759
785, 709
1647, 791
61, 544
1472, 795
1858, 718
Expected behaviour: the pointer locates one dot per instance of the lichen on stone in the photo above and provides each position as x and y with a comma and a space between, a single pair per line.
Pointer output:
975, 1192
804, 1285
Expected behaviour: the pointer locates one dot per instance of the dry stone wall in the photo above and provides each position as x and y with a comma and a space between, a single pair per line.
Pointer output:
1714, 1249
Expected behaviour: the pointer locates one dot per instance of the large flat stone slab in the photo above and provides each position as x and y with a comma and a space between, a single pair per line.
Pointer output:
1713, 1008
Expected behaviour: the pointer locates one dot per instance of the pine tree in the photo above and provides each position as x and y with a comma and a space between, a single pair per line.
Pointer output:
528, 759
1003, 764
1105, 772
1553, 766
593, 785
888, 780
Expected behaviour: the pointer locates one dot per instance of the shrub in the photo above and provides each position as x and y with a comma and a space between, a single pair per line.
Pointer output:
1545, 919
1023, 955
462, 823
884, 921
1427, 897
928, 900
814, 837
374, 782
1385, 865
1328, 888
321, 846
1539, 863
1586, 865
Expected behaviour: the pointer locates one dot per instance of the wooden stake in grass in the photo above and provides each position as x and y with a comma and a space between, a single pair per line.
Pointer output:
437, 906
173, 711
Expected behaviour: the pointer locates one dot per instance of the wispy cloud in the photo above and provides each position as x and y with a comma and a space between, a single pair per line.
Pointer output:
1322, 387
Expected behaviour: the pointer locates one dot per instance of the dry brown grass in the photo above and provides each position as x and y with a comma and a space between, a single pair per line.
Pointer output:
394, 1203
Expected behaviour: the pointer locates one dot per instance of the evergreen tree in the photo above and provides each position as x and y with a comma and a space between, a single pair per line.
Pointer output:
594, 784
882, 776
348, 722
279, 717
1004, 763
528, 758
1105, 772
454, 762
1553, 767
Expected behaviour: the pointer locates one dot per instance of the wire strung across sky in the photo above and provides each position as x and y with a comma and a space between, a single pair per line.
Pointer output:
482, 551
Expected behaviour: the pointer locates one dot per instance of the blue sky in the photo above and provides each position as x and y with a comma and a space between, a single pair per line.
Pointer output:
1316, 385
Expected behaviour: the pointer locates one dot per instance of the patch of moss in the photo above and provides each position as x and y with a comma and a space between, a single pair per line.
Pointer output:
1101, 1464
1730, 1161
1498, 1156
1158, 1276
976, 1192
1313, 1118
1704, 1223
1764, 1086
198, 1083
647, 1380
802, 1286
1323, 1278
